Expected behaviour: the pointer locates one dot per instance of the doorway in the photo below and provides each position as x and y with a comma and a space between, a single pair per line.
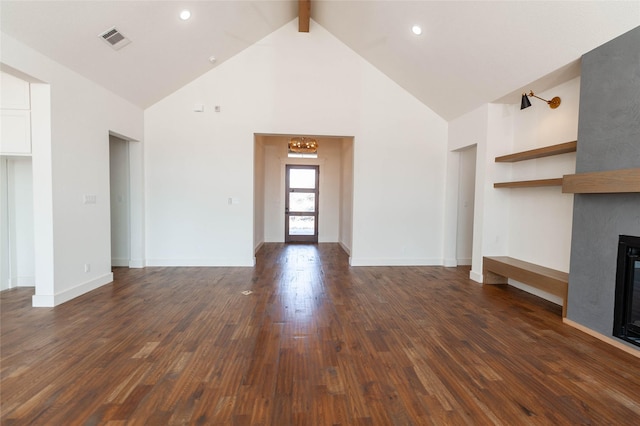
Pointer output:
17, 241
466, 205
301, 204
120, 201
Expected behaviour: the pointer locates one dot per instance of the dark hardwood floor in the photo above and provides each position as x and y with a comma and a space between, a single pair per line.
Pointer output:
315, 343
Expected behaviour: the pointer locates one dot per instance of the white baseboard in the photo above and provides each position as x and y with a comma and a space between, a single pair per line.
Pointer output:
606, 339
249, 261
325, 239
345, 248
450, 263
475, 276
464, 261
120, 262
50, 300
136, 263
258, 247
395, 262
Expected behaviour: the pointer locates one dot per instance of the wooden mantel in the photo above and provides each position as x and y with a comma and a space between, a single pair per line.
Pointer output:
611, 181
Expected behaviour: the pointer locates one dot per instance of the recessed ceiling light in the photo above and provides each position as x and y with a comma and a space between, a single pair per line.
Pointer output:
416, 30
212, 59
185, 14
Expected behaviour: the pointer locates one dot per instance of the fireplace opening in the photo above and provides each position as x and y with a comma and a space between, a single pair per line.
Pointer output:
626, 323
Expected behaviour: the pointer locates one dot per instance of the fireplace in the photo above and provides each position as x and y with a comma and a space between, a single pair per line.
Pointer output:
626, 323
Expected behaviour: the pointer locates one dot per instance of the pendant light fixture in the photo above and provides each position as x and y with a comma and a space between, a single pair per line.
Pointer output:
302, 145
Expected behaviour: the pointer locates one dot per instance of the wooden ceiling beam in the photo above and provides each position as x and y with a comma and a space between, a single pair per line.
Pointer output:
304, 15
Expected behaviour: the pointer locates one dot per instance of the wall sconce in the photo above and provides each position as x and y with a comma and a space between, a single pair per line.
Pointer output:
525, 103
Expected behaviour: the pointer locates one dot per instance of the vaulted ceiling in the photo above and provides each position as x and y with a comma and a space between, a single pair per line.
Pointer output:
470, 52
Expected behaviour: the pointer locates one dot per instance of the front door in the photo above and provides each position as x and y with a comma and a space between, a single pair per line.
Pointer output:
301, 204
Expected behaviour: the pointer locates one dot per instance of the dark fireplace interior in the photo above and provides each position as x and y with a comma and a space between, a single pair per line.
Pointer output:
626, 323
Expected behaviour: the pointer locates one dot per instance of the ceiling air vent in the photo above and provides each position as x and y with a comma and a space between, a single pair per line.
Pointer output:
115, 38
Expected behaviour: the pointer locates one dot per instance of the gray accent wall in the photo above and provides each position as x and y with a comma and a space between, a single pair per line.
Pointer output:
608, 139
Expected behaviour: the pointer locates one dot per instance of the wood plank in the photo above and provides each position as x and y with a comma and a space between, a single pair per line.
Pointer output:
542, 270
529, 183
546, 151
613, 181
546, 279
317, 342
304, 15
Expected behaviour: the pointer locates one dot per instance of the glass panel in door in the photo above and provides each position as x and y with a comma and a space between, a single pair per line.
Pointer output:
302, 225
302, 178
301, 204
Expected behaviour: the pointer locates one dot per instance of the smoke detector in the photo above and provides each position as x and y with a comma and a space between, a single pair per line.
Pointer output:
114, 38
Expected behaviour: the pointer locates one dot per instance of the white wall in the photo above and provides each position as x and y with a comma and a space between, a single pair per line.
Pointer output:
346, 195
70, 160
329, 161
21, 222
531, 224
540, 219
292, 83
258, 192
464, 132
273, 190
5, 248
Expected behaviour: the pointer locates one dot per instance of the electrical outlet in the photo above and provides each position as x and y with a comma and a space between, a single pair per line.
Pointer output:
87, 267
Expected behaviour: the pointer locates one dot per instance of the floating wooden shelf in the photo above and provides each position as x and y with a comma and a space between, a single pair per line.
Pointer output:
612, 181
546, 151
529, 183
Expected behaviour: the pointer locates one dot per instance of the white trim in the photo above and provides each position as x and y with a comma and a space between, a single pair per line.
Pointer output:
42, 301
320, 161
120, 262
475, 276
136, 263
258, 247
327, 239
395, 262
450, 263
465, 262
345, 248
610, 340
50, 300
202, 262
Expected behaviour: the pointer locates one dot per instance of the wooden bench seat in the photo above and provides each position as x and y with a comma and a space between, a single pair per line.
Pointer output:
497, 269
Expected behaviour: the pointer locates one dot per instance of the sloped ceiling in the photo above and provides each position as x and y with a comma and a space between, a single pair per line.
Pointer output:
470, 53
165, 52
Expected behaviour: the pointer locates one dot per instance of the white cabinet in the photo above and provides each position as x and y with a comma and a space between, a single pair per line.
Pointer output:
15, 138
15, 116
